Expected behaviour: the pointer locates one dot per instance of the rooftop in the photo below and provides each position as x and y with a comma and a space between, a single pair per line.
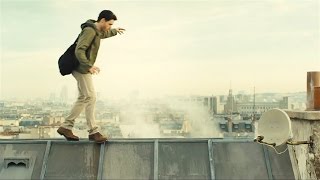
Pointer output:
142, 159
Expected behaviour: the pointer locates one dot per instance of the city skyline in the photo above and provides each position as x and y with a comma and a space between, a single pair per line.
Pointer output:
169, 48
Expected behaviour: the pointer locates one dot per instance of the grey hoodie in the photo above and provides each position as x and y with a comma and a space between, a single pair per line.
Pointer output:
88, 45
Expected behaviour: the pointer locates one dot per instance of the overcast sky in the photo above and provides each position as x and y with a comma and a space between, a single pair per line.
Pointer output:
170, 47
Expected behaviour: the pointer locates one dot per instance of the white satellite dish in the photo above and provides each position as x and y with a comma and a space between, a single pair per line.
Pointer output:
274, 127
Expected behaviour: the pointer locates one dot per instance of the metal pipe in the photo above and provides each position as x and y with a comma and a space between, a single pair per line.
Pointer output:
316, 98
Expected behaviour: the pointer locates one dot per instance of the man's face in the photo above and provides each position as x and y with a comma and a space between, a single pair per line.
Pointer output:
108, 24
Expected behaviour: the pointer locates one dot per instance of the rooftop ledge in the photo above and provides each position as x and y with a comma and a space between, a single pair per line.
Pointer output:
304, 115
125, 140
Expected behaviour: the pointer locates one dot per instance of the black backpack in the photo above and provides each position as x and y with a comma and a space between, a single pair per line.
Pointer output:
68, 60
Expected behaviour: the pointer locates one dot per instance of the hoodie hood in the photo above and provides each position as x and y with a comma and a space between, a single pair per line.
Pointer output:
89, 23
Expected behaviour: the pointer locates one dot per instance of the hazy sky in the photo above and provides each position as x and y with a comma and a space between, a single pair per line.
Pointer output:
170, 47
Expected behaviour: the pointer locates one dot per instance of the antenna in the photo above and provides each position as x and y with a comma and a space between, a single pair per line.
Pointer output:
253, 116
254, 103
274, 129
231, 96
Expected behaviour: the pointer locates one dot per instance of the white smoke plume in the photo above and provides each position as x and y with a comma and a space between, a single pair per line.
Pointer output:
138, 119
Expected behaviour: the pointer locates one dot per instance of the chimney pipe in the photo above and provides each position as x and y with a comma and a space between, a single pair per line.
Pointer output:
316, 98
313, 91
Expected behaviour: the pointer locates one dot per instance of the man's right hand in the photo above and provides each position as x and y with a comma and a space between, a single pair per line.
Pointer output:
120, 30
94, 70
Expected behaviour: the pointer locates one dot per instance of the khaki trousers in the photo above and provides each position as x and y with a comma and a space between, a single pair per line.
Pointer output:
86, 100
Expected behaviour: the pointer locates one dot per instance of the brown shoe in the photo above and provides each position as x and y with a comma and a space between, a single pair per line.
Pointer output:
97, 137
67, 134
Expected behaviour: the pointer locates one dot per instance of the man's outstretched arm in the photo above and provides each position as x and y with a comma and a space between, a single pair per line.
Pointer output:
112, 32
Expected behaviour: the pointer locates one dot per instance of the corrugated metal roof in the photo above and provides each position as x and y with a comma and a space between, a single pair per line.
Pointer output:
143, 159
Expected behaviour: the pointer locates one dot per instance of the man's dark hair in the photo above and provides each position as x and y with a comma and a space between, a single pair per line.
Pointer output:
107, 15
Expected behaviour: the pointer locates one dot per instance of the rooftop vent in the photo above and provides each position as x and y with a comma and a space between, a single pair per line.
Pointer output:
16, 162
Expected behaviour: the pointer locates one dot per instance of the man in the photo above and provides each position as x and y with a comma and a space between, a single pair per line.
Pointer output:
86, 52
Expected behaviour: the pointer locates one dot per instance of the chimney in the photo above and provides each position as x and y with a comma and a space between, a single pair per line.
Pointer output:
316, 98
313, 91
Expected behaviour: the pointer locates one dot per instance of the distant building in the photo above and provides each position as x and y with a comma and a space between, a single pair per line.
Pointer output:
286, 103
197, 100
171, 128
231, 105
261, 107
30, 122
64, 94
1, 105
241, 104
236, 126
258, 108
242, 98
53, 120
52, 97
9, 122
216, 106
